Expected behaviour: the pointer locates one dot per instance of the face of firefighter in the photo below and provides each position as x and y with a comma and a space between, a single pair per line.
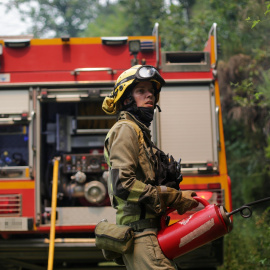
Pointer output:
143, 94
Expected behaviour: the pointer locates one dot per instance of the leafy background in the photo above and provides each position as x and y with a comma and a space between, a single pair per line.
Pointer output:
243, 72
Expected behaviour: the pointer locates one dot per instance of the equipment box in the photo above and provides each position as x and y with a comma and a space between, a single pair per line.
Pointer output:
14, 134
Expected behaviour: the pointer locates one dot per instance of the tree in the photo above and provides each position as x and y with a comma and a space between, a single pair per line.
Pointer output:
110, 21
180, 32
56, 17
141, 15
127, 17
236, 34
244, 85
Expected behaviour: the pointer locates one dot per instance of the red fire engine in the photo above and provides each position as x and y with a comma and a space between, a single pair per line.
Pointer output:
52, 130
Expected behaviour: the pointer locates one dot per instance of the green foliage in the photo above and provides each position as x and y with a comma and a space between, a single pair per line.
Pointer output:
267, 8
245, 94
111, 21
172, 28
247, 247
56, 17
141, 15
264, 19
181, 30
247, 166
267, 149
236, 35
247, 126
125, 17
264, 87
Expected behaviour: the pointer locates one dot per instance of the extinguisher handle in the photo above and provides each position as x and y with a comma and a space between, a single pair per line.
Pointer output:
169, 210
164, 219
201, 200
197, 198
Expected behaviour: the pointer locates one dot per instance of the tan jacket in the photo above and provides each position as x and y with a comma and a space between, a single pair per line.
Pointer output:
131, 178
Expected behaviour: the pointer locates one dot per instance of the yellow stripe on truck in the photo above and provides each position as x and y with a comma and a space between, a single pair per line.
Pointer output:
17, 184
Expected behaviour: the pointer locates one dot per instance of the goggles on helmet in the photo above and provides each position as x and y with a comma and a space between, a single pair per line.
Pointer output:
144, 73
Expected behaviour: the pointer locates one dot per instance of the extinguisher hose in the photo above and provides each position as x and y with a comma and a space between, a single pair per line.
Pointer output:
259, 201
245, 210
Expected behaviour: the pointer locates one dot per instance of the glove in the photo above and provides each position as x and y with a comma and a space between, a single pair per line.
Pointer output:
187, 201
182, 201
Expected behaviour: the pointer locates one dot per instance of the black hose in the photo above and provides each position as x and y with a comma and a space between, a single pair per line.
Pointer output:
247, 207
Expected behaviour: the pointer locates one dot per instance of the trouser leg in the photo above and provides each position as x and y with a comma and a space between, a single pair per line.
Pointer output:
147, 255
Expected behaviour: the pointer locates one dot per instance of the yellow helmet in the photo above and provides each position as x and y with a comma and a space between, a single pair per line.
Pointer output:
128, 79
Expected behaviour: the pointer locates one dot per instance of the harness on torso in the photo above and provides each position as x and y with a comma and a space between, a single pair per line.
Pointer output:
167, 169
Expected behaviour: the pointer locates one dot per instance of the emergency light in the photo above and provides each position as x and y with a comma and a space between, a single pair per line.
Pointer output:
134, 46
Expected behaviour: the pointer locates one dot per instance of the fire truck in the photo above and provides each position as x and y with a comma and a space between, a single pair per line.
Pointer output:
52, 171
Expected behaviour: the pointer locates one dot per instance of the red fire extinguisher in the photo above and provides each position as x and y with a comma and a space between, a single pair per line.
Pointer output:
204, 226
190, 233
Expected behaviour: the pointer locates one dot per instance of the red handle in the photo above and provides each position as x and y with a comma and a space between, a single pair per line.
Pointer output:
203, 201
169, 210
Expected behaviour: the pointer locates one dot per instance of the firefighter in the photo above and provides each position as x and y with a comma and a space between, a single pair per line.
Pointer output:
134, 189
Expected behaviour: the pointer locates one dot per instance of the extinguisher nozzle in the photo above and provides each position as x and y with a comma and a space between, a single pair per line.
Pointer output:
242, 210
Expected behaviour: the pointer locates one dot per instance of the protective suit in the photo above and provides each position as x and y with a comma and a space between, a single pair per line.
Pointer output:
132, 187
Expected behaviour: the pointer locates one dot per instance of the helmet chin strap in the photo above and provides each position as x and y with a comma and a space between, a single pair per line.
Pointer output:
130, 103
144, 115
131, 106
156, 106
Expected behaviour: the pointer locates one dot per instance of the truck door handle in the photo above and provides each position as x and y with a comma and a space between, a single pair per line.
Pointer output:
78, 70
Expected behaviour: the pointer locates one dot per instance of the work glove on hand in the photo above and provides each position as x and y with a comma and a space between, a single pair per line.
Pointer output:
187, 202
182, 201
